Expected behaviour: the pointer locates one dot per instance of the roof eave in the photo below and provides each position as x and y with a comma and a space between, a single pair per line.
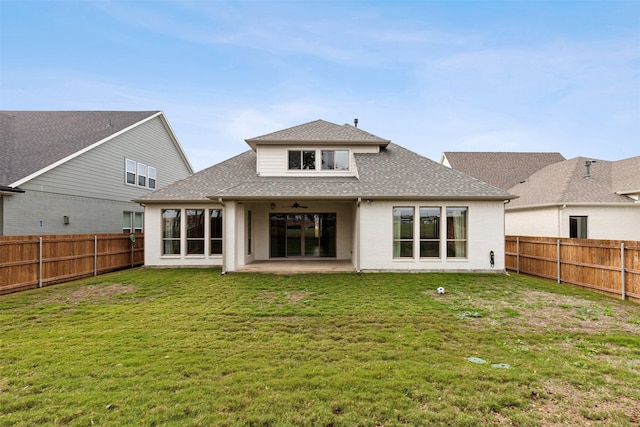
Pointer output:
9, 191
629, 204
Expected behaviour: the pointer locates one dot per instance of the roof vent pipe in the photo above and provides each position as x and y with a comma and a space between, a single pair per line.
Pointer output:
355, 122
587, 166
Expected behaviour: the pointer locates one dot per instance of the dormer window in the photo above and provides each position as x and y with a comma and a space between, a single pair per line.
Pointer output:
335, 160
302, 159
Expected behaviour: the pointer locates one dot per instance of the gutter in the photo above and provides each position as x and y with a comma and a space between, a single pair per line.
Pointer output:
629, 204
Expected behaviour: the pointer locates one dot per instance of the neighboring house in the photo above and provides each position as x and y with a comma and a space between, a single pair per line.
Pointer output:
501, 169
67, 172
322, 191
581, 198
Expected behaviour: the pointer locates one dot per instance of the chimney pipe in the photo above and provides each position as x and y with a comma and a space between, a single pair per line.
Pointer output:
355, 122
587, 165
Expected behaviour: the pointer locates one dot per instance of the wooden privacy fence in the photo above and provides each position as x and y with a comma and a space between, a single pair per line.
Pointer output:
28, 262
607, 266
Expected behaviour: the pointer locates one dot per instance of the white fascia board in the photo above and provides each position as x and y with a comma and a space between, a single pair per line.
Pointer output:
175, 140
575, 204
81, 152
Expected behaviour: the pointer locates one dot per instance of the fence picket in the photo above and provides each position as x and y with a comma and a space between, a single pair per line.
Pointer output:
28, 262
611, 267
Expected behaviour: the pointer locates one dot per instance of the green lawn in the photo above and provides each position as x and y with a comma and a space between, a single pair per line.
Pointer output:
194, 348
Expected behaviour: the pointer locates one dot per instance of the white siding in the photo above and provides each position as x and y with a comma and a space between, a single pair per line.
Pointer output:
273, 160
485, 234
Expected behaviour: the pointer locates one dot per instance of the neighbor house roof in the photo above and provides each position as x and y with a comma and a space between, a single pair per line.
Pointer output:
31, 141
393, 173
319, 131
502, 169
567, 182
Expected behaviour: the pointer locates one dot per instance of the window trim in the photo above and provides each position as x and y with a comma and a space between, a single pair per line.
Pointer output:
333, 168
454, 240
438, 239
149, 178
164, 239
302, 152
133, 163
150, 173
581, 221
399, 239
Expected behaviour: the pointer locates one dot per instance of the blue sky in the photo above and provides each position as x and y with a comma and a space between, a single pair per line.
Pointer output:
432, 76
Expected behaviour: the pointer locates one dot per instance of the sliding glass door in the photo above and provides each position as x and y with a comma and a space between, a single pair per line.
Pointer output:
303, 235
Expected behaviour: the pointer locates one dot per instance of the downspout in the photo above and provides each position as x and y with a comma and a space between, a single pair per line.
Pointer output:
358, 234
224, 237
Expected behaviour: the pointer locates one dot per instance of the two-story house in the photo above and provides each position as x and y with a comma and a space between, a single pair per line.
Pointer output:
321, 191
75, 172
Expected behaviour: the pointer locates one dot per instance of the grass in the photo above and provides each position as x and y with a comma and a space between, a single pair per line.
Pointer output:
194, 348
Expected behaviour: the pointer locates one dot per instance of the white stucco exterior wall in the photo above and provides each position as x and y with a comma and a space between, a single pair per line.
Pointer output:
153, 239
485, 234
603, 222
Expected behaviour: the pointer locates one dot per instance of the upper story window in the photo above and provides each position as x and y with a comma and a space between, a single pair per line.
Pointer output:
131, 172
152, 178
139, 174
329, 160
302, 159
335, 160
142, 175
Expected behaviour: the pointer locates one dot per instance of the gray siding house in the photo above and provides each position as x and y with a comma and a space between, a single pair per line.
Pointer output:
74, 172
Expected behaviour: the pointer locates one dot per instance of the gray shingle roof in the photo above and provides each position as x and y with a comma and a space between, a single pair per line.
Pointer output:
502, 169
33, 140
393, 173
565, 182
319, 131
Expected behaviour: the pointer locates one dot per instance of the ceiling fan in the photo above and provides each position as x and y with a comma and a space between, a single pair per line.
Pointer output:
296, 205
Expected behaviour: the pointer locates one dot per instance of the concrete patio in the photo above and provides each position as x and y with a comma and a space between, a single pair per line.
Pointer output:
298, 267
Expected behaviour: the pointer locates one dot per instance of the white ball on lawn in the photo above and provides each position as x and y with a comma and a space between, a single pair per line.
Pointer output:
441, 290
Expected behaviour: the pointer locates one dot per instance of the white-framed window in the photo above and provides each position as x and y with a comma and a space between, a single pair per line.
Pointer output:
335, 160
152, 178
130, 172
430, 231
186, 230
171, 231
306, 159
132, 222
140, 175
403, 231
302, 159
578, 227
425, 238
457, 232
195, 231
215, 231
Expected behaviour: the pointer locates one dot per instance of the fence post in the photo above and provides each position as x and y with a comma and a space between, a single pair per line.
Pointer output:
558, 255
518, 254
95, 255
132, 247
622, 270
40, 263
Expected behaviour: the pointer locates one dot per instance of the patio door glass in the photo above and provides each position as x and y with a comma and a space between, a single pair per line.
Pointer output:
303, 235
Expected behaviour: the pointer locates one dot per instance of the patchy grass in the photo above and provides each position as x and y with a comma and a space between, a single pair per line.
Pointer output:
191, 347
